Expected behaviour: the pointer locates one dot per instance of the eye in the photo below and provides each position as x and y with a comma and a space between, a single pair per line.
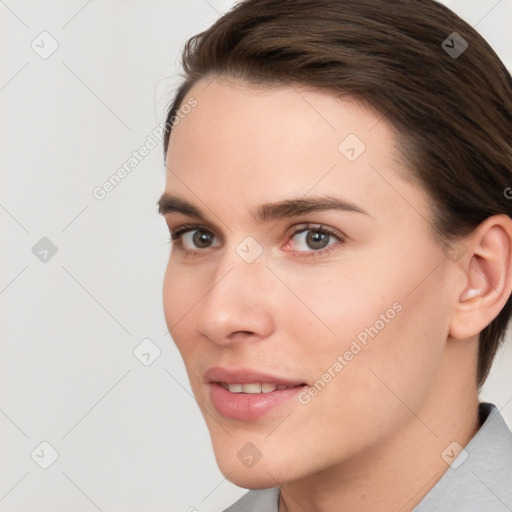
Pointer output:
193, 238
305, 239
313, 239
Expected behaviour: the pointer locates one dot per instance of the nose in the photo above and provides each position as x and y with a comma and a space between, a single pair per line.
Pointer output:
238, 304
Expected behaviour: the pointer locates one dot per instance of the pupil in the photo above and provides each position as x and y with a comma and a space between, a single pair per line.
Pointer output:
316, 240
201, 239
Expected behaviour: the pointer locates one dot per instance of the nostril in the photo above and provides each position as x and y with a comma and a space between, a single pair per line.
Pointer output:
241, 334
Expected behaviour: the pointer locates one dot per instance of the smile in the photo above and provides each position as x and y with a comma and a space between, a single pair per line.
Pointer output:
246, 394
253, 388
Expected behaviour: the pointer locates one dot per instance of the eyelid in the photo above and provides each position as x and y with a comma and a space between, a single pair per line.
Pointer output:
184, 228
316, 226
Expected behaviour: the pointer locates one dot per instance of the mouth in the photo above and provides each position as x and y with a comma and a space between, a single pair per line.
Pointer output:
254, 388
246, 395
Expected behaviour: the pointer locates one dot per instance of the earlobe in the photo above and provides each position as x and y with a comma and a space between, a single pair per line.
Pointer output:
488, 277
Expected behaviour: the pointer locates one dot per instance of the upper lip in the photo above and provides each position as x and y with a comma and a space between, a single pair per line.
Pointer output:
246, 376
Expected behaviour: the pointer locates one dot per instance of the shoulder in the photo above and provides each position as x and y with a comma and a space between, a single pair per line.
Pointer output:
265, 500
480, 477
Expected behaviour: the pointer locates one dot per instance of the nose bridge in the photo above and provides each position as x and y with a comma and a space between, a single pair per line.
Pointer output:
237, 298
244, 265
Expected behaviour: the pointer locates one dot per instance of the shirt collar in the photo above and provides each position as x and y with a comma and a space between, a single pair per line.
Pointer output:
480, 477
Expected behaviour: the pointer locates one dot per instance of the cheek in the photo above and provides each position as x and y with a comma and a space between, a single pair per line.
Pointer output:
331, 307
360, 398
179, 296
370, 330
170, 295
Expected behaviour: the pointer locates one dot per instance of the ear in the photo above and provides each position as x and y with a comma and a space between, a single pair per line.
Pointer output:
487, 267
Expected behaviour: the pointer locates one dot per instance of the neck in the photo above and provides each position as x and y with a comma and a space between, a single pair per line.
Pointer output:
398, 473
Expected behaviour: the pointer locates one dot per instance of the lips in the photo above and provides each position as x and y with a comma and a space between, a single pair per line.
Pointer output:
247, 376
245, 395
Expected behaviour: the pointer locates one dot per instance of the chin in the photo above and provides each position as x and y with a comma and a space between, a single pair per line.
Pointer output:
251, 478
265, 473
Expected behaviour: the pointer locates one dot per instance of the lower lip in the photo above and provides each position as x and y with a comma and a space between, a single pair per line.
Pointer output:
249, 406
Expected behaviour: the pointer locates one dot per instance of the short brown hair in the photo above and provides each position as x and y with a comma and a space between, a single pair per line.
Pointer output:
453, 112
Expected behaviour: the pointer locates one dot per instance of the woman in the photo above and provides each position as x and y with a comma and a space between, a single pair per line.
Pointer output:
341, 265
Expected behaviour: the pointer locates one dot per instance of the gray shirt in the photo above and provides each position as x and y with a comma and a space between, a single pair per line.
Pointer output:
479, 479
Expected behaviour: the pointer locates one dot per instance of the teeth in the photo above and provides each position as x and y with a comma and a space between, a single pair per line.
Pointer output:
268, 388
252, 388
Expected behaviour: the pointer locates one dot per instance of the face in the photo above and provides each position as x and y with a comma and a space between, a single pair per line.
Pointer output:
303, 284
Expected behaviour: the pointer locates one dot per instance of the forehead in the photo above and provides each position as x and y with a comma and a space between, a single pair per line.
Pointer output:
254, 145
233, 112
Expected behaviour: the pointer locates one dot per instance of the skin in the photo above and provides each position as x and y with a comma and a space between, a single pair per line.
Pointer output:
373, 437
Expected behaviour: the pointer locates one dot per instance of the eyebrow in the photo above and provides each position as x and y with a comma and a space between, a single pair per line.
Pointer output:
287, 208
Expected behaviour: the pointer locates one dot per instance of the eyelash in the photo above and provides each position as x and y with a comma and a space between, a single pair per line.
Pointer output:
176, 234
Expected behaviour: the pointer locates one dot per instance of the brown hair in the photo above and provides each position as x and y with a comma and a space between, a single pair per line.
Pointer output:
453, 112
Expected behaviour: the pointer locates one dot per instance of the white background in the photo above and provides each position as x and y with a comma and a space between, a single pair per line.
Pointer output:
129, 437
